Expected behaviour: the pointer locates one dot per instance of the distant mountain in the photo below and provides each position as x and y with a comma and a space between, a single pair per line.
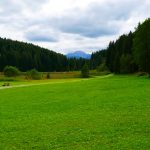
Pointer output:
78, 54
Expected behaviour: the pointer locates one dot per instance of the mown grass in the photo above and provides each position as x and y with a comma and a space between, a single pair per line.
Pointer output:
96, 114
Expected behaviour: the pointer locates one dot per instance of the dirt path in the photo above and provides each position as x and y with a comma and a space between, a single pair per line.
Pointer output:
78, 80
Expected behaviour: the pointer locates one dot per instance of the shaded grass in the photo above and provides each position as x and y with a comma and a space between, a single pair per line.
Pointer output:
65, 75
54, 77
110, 113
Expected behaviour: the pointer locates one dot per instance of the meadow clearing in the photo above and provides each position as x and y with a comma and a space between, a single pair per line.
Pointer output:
102, 113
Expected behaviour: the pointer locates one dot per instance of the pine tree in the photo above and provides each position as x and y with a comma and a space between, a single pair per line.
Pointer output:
85, 71
141, 46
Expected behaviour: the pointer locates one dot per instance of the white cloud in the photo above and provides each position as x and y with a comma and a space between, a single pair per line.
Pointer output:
69, 25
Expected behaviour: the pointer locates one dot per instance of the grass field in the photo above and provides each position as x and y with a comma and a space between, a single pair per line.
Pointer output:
110, 113
53, 75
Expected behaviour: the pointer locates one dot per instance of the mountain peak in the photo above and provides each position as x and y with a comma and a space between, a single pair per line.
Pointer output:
78, 54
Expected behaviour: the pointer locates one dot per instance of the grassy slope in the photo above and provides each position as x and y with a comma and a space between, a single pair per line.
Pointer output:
110, 113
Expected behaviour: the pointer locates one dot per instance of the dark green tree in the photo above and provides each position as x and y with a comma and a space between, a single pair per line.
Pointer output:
126, 63
141, 46
85, 71
98, 58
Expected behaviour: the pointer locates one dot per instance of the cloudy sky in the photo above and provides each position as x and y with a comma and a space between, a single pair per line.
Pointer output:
70, 25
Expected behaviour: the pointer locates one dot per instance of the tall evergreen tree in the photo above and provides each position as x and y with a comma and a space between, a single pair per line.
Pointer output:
141, 46
85, 71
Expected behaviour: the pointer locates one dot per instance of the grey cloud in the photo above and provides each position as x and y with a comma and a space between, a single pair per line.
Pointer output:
12, 12
97, 20
16, 7
87, 28
34, 5
9, 8
39, 36
91, 23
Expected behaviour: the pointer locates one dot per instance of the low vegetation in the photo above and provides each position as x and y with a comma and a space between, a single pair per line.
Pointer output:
102, 68
33, 74
10, 71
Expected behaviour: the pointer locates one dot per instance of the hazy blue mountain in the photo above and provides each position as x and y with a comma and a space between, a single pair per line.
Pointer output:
78, 54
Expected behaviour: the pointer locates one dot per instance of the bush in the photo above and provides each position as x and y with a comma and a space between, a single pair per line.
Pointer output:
85, 71
139, 74
10, 71
6, 84
34, 74
102, 68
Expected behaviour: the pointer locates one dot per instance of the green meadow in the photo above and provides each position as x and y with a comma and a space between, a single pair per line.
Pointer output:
102, 113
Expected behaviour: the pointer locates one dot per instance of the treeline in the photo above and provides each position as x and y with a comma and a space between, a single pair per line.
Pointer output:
26, 56
130, 53
98, 58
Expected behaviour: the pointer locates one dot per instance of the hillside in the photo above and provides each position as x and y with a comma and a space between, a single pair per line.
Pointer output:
26, 56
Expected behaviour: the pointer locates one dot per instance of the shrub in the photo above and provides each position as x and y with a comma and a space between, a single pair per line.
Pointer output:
6, 84
85, 71
141, 74
33, 74
10, 71
102, 68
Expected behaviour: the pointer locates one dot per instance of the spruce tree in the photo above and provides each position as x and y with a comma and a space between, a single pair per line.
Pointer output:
141, 46
85, 71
